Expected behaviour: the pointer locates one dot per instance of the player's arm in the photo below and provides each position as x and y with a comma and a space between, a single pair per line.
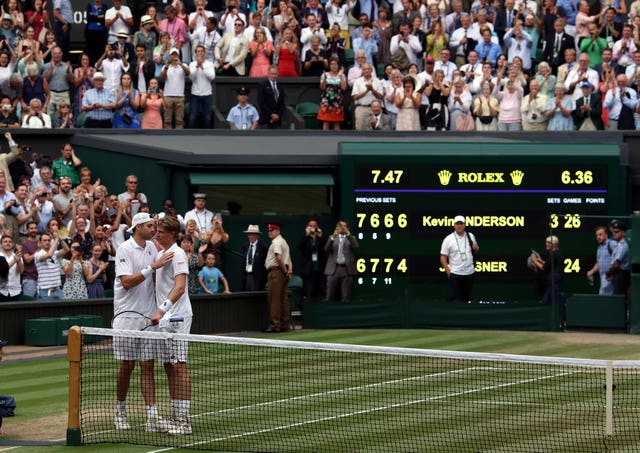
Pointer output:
131, 281
174, 295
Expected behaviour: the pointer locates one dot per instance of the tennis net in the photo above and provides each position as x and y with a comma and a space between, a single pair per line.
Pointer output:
251, 394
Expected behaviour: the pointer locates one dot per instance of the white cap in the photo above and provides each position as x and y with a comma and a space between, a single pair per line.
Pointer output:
139, 219
459, 218
174, 50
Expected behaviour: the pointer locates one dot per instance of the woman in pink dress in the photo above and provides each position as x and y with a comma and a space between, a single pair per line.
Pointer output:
261, 50
288, 54
151, 103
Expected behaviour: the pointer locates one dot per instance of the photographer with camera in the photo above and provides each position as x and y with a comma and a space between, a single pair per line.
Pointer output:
341, 262
314, 260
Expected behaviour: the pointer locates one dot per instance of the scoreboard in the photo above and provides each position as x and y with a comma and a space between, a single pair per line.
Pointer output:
401, 198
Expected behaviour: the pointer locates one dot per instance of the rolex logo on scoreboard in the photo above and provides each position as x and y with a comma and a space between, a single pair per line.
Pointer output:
444, 176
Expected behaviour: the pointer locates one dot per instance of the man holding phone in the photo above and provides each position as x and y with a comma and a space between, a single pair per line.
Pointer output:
341, 262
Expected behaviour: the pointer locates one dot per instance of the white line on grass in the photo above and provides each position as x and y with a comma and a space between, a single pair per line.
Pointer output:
366, 411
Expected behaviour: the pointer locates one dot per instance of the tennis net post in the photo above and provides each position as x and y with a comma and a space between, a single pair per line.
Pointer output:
74, 355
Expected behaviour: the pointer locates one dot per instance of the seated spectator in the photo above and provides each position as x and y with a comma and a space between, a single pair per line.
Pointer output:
34, 86
315, 60
127, 104
35, 119
174, 74
243, 116
287, 51
534, 109
96, 277
152, 102
76, 271
98, 104
8, 117
261, 50
486, 109
559, 111
64, 117
587, 114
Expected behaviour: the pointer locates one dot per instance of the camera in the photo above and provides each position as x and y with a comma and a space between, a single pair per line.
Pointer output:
6, 108
534, 116
312, 229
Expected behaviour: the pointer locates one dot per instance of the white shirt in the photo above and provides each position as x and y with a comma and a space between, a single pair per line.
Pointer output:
174, 83
360, 86
204, 219
519, 48
613, 101
200, 22
447, 68
166, 279
48, 270
458, 250
201, 78
208, 40
230, 21
131, 259
117, 237
119, 24
339, 14
592, 77
33, 122
112, 70
413, 48
457, 36
305, 38
13, 287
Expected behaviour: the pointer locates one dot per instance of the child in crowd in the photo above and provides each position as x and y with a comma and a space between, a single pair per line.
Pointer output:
210, 275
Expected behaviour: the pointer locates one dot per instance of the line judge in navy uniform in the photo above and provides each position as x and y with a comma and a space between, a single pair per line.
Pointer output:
254, 253
271, 101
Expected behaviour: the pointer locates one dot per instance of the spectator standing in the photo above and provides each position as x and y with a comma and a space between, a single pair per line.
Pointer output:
47, 260
34, 87
67, 165
127, 104
621, 103
146, 36
230, 52
603, 260
280, 269
175, 26
405, 47
152, 101
7, 158
186, 243
59, 77
207, 37
510, 118
341, 262
533, 108
76, 270
82, 76
271, 100
62, 202
365, 89
210, 277
30, 273
12, 290
254, 253
62, 21
559, 111
131, 197
118, 17
457, 257
287, 53
174, 74
38, 17
202, 73
408, 103
333, 84
144, 69
199, 214
95, 32
96, 277
314, 261
112, 68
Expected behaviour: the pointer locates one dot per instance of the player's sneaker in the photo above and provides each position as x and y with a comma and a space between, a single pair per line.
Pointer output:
120, 420
157, 425
180, 427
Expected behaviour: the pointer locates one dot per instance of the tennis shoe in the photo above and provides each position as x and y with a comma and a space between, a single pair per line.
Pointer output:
157, 425
120, 421
180, 428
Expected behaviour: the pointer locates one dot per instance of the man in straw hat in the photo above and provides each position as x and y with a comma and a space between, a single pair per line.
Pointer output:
254, 253
98, 103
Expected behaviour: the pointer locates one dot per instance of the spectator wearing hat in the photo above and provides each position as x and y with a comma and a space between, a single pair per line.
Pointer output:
457, 257
98, 104
587, 115
111, 67
59, 77
254, 253
243, 116
231, 51
200, 214
95, 32
280, 269
146, 36
62, 21
341, 262
619, 273
174, 74
124, 49
202, 74
117, 18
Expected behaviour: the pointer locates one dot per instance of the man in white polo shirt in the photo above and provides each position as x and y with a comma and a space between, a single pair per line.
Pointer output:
457, 259
48, 265
174, 74
136, 260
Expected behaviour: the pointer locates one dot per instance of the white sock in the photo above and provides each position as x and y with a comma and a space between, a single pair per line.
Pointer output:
184, 407
121, 407
152, 411
175, 408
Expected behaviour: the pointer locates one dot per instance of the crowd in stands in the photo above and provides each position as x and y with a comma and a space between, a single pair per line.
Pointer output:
60, 228
504, 65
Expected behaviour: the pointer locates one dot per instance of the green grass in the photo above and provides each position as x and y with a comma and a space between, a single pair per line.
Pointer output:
433, 395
